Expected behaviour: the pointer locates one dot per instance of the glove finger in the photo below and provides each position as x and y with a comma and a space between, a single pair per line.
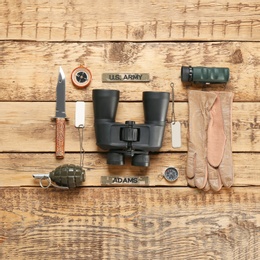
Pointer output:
190, 164
214, 178
196, 171
216, 135
191, 182
207, 187
226, 171
226, 166
200, 104
201, 173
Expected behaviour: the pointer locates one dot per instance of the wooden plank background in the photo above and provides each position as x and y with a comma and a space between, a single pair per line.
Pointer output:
163, 221
130, 20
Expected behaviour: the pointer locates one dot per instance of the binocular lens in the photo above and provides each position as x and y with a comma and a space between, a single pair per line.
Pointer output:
155, 106
141, 160
115, 158
105, 104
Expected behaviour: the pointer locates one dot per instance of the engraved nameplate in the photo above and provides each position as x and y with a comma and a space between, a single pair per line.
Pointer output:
125, 181
125, 77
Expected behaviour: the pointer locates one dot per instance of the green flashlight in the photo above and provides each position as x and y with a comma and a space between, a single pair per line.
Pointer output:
204, 75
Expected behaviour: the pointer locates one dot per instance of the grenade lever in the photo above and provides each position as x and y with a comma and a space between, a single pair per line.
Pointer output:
43, 177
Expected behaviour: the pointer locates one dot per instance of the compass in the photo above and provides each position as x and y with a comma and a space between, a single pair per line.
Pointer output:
171, 174
81, 77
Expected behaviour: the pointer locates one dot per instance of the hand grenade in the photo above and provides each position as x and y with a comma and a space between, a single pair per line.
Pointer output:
65, 176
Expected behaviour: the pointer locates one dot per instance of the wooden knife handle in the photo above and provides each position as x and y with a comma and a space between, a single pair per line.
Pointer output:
60, 138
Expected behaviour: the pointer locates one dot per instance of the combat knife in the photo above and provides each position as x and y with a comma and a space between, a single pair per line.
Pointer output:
60, 116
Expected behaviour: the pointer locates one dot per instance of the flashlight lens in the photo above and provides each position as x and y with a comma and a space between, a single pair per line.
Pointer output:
186, 74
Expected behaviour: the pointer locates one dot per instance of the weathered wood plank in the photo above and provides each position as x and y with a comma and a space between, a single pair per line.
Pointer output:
130, 21
27, 126
29, 70
17, 169
178, 222
129, 223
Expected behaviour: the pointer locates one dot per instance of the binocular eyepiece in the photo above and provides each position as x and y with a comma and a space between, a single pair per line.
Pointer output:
129, 139
204, 75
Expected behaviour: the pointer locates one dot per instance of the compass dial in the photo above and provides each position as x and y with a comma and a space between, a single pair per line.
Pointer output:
81, 77
171, 174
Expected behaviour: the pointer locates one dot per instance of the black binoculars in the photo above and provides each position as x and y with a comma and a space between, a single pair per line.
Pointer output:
129, 139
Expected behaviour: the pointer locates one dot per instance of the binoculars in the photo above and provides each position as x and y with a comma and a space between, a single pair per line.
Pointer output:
204, 75
129, 139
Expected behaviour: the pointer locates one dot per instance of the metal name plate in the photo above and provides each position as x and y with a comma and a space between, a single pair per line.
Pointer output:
125, 77
124, 181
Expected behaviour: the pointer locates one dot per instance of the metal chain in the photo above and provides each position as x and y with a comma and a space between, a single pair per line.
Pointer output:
82, 151
173, 113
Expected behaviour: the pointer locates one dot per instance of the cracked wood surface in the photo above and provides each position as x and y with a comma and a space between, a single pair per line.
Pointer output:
30, 70
17, 168
30, 124
129, 223
130, 20
172, 221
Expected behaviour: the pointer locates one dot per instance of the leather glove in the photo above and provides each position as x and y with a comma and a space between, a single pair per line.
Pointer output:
209, 162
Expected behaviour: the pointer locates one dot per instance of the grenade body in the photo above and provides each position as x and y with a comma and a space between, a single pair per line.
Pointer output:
68, 175
204, 75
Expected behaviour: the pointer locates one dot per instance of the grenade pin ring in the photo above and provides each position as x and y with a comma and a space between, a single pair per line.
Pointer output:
48, 184
43, 177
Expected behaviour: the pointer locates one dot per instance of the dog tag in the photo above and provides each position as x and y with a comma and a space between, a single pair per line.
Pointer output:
176, 126
176, 134
80, 114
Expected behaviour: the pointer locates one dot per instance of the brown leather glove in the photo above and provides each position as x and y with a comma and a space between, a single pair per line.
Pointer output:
209, 163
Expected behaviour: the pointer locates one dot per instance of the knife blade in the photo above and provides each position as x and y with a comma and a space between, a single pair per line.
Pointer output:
60, 116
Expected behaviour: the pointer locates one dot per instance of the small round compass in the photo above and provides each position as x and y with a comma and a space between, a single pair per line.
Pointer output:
171, 174
81, 77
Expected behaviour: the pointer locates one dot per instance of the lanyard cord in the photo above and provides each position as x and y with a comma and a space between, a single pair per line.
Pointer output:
82, 151
173, 113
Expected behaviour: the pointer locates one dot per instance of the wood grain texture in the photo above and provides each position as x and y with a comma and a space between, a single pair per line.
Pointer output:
29, 70
130, 20
17, 168
156, 37
30, 124
129, 223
